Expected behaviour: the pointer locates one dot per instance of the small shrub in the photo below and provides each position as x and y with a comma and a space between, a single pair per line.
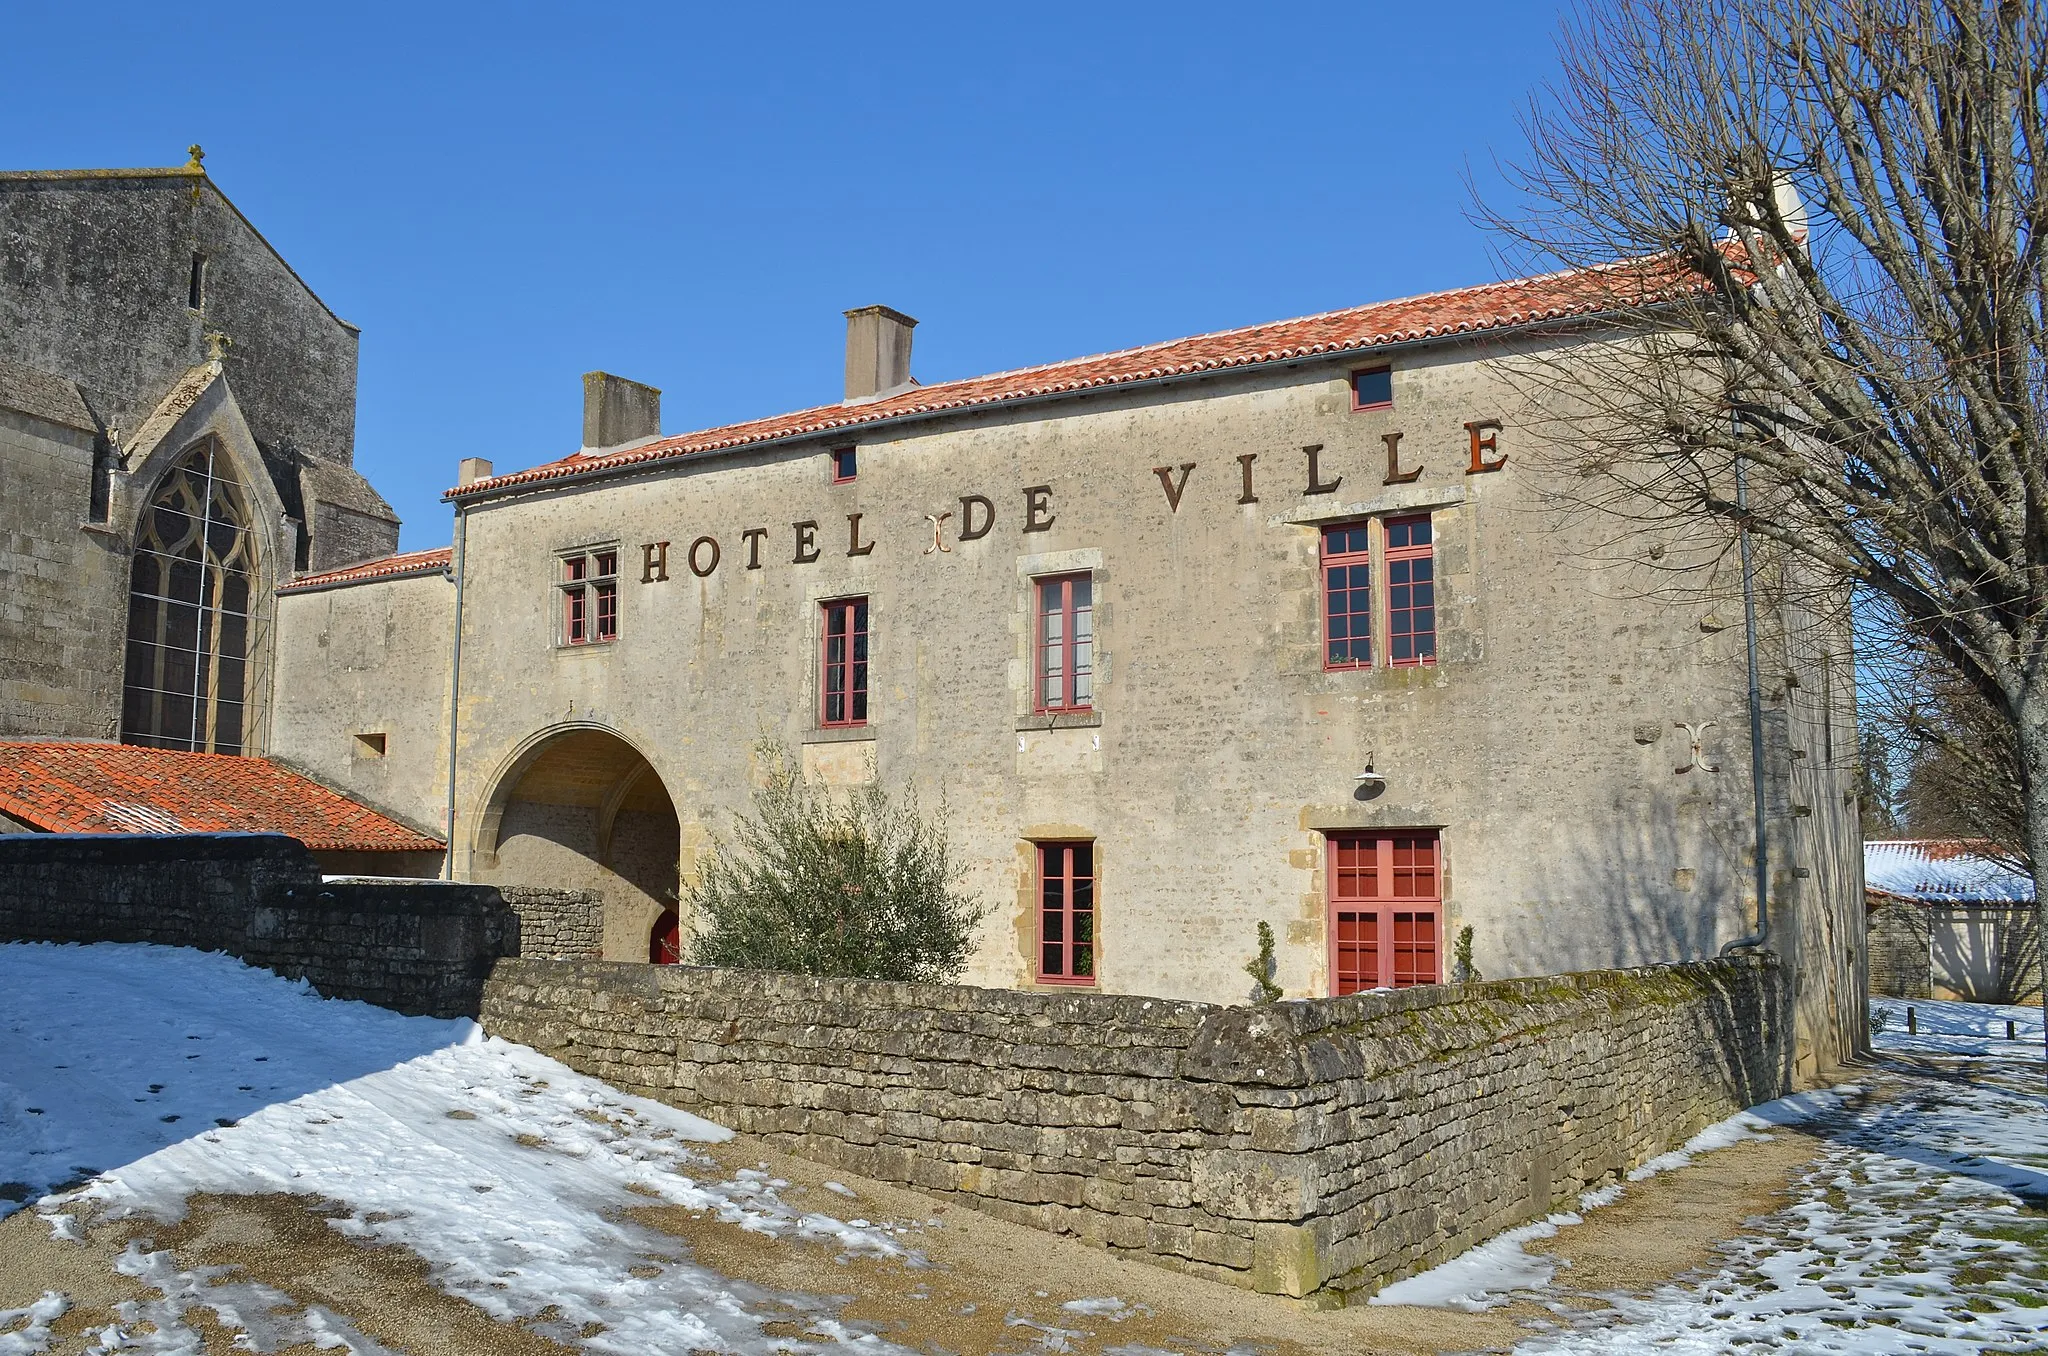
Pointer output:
851, 886
1262, 966
1880, 1018
1463, 971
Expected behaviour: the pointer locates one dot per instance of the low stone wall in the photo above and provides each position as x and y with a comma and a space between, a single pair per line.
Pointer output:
1319, 1148
557, 924
1900, 947
418, 947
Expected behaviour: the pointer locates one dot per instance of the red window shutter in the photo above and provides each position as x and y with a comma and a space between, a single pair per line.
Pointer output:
1386, 907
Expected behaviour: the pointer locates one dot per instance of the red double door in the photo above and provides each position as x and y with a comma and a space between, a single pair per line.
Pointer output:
1386, 908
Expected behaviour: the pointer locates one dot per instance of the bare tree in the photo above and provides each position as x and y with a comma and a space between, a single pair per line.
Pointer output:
1819, 224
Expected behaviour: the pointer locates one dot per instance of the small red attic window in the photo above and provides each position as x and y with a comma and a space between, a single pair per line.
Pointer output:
845, 465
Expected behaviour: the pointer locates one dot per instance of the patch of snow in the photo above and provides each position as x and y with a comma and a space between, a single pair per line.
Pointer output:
841, 1188
1106, 1306
1486, 1276
1482, 1277
1911, 1232
511, 1175
26, 1332
264, 1319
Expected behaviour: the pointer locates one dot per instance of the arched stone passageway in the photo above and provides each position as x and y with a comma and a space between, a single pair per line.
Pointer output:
584, 809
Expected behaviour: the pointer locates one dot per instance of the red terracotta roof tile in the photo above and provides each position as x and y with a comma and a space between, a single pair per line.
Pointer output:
80, 787
388, 567
1469, 310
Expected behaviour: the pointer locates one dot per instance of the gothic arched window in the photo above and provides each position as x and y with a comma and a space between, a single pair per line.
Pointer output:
189, 598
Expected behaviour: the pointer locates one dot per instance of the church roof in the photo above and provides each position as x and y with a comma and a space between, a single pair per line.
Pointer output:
1943, 871
400, 566
85, 787
1436, 315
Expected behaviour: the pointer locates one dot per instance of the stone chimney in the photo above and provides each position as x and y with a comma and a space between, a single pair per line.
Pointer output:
618, 411
877, 353
472, 469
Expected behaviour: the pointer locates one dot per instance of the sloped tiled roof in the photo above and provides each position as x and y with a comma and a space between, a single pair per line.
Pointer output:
81, 787
1937, 871
1437, 315
435, 561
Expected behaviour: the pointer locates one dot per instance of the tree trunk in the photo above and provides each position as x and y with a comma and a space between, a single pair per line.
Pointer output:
2032, 731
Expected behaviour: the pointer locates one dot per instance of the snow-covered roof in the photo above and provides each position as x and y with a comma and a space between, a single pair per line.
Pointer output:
1943, 871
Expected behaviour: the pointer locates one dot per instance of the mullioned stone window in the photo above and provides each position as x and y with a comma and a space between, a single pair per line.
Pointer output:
189, 599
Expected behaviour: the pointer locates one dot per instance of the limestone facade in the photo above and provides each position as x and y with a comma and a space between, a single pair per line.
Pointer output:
1578, 747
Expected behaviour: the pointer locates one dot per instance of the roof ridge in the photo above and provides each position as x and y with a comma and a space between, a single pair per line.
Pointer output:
1477, 308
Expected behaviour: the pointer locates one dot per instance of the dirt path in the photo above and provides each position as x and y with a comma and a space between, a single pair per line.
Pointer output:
993, 1286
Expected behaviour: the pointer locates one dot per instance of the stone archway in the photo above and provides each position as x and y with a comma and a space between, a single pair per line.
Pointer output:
581, 808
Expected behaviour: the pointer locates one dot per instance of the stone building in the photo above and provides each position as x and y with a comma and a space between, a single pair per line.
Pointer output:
1266, 625
1948, 919
177, 427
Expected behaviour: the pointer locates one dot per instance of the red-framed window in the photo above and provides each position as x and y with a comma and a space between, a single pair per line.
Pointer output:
845, 465
1066, 643
1066, 913
1386, 910
1372, 388
1411, 592
1347, 597
843, 674
590, 597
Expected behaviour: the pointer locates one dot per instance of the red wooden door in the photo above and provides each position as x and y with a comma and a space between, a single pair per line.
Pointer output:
665, 942
1386, 902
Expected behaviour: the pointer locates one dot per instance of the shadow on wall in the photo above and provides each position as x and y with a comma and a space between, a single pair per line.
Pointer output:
1677, 875
584, 810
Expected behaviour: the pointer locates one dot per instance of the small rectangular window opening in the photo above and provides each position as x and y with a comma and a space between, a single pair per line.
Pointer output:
370, 745
590, 597
1066, 913
843, 677
195, 285
1066, 643
845, 465
1372, 388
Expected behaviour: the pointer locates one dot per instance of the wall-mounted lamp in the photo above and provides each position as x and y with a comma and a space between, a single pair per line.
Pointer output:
1369, 778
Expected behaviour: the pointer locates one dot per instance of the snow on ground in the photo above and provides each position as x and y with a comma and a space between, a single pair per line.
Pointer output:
505, 1170
1921, 1226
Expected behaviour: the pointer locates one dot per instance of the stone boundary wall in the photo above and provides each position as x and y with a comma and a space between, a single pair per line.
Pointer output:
419, 947
555, 923
1311, 1148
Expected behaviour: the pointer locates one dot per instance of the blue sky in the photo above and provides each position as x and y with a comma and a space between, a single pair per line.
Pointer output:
505, 197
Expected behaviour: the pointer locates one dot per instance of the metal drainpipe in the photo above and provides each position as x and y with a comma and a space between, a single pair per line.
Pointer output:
1756, 726
455, 688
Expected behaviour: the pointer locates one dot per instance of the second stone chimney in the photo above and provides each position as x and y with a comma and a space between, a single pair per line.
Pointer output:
470, 470
877, 353
618, 411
